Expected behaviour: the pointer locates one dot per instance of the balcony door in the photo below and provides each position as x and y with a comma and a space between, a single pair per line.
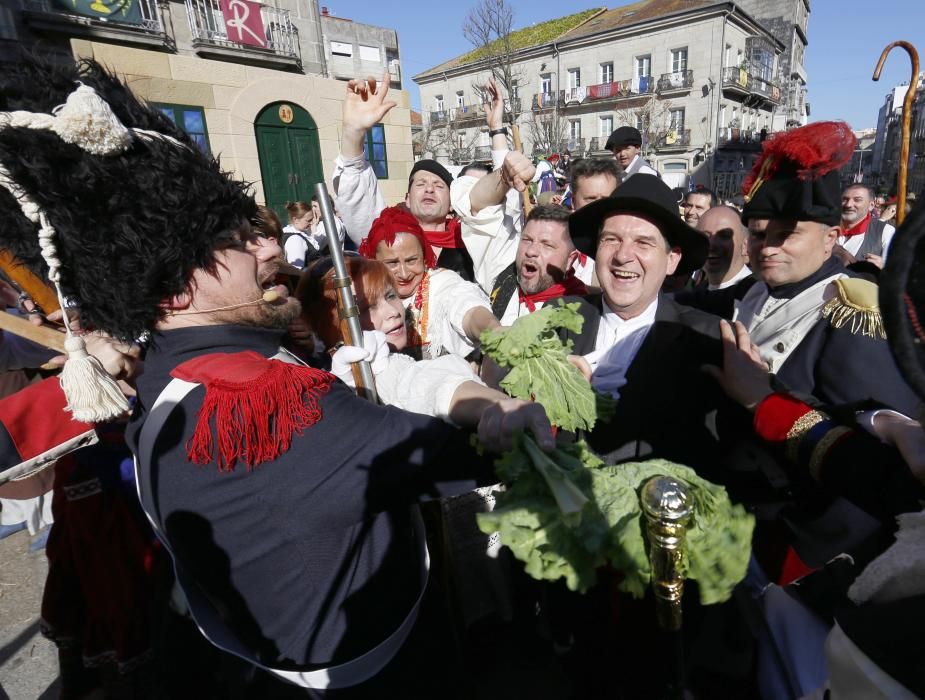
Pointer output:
290, 155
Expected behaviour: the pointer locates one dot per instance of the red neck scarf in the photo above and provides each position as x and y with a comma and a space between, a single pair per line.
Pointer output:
570, 286
859, 228
451, 238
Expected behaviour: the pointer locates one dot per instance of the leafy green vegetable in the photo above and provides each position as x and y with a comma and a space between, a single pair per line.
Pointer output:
539, 366
564, 513
610, 527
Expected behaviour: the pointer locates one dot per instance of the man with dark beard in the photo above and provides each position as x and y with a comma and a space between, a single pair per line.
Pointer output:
542, 269
287, 504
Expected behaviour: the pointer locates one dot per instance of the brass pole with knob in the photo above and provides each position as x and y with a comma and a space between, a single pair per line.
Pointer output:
667, 507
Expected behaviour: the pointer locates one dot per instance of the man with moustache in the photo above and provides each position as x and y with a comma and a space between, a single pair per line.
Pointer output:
818, 329
625, 144
286, 503
356, 185
863, 235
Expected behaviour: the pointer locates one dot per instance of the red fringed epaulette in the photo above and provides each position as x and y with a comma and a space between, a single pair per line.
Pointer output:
252, 406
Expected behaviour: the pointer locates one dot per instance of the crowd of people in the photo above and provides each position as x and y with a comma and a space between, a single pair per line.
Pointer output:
236, 522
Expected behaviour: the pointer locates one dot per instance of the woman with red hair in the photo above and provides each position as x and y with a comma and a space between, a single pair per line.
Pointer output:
444, 387
444, 313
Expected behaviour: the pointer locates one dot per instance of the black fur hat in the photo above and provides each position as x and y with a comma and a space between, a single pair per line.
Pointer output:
130, 227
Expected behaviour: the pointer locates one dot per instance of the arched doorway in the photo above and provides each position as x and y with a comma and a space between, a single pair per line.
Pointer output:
290, 156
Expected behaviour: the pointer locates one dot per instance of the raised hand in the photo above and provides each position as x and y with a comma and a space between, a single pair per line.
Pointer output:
494, 115
517, 171
744, 375
364, 107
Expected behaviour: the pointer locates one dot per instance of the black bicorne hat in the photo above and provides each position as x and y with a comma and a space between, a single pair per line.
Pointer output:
796, 177
902, 299
647, 196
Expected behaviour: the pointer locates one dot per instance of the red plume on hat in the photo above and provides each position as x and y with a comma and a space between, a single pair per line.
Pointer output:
392, 221
810, 151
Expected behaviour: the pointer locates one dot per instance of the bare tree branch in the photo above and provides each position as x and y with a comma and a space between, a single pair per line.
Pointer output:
488, 27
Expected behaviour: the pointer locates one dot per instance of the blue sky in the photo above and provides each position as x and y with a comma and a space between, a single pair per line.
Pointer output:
845, 41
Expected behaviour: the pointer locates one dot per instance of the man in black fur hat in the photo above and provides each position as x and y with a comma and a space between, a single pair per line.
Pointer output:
298, 546
816, 326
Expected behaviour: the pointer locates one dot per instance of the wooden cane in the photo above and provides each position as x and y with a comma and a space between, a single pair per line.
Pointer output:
43, 335
43, 295
906, 123
525, 195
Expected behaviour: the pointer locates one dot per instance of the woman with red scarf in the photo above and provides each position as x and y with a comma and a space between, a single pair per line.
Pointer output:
444, 313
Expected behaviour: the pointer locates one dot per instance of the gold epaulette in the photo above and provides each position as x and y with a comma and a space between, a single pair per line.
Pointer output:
855, 306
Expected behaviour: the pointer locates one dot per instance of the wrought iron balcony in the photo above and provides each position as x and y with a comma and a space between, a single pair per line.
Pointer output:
733, 136
737, 78
547, 100
597, 144
207, 25
674, 138
573, 145
464, 112
679, 80
439, 117
50, 15
766, 89
482, 153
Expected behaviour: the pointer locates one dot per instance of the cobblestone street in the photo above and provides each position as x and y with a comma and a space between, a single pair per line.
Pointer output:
28, 661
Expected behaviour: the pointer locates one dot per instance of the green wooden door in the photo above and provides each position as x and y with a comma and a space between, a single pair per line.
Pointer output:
290, 155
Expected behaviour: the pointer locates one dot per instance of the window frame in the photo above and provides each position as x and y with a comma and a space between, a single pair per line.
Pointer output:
574, 78
341, 52
605, 67
174, 107
368, 143
674, 54
640, 61
605, 126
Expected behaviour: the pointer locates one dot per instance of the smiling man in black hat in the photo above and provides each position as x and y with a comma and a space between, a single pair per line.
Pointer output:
643, 347
625, 143
817, 327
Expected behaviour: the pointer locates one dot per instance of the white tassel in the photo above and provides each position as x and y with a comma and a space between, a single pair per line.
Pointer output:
92, 395
87, 120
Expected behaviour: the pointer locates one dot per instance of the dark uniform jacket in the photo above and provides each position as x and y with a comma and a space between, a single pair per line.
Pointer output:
311, 556
667, 408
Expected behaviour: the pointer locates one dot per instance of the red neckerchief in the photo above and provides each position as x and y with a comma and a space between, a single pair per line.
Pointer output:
571, 286
859, 228
451, 238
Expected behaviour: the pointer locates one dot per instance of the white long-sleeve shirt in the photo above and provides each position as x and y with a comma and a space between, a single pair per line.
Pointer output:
357, 195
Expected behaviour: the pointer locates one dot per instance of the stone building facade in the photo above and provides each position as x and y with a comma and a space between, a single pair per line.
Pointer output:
266, 100
699, 78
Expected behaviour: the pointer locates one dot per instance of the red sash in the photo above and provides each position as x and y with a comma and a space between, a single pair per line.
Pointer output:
451, 238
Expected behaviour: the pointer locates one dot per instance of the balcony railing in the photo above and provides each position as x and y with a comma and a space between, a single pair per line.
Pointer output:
679, 80
675, 138
482, 153
207, 25
149, 23
740, 137
597, 144
439, 117
465, 112
547, 100
737, 77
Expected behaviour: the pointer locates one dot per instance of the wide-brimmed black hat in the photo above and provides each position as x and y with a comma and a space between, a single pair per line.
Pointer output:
902, 299
647, 196
624, 136
796, 177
